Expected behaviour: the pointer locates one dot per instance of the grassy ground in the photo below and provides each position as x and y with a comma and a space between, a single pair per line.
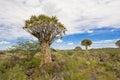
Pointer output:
99, 64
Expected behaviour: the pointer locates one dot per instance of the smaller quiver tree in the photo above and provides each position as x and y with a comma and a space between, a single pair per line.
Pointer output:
86, 43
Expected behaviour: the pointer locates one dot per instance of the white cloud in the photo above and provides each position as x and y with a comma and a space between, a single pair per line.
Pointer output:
90, 31
32, 2
105, 41
70, 43
112, 30
4, 42
59, 41
78, 16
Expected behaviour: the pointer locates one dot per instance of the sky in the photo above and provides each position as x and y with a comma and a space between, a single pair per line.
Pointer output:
97, 20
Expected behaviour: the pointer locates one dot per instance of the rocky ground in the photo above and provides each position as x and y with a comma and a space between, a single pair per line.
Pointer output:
99, 64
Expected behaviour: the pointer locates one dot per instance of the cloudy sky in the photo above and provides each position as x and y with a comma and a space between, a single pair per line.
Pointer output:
98, 20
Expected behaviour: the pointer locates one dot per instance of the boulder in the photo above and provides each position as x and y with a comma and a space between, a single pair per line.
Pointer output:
30, 70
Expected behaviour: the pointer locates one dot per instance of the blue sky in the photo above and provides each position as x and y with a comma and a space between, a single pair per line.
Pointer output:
101, 38
98, 20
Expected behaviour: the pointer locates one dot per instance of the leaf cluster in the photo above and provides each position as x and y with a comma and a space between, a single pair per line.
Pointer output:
86, 42
45, 28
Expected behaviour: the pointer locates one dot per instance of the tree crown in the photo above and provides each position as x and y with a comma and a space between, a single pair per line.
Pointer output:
41, 21
45, 28
86, 42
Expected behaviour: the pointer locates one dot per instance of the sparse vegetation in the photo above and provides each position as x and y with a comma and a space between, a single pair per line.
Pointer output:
102, 64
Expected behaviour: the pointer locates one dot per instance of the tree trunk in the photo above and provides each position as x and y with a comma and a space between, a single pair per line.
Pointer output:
86, 49
45, 54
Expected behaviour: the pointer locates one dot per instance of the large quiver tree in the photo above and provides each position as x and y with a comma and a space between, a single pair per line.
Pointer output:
45, 29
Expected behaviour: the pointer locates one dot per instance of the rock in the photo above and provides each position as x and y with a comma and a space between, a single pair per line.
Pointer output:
57, 76
53, 57
14, 58
30, 71
29, 78
2, 53
42, 70
94, 76
56, 65
115, 70
103, 59
117, 73
9, 64
116, 58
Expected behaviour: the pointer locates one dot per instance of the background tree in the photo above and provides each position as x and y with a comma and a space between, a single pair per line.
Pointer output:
28, 48
46, 29
86, 43
118, 43
77, 48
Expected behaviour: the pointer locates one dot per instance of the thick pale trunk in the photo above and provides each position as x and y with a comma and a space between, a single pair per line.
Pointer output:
45, 54
86, 49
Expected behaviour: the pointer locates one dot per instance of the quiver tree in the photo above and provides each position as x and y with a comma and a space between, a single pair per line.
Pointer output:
45, 29
86, 43
117, 43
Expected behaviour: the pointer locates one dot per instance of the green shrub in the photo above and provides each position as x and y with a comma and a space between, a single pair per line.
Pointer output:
34, 61
14, 73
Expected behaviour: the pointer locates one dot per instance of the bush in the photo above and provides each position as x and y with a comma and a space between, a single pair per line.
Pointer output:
78, 48
34, 61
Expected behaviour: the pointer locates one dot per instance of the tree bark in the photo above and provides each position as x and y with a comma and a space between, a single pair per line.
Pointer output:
86, 49
45, 54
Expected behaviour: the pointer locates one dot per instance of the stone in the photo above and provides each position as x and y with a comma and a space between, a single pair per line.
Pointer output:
56, 65
117, 73
57, 76
2, 53
30, 71
94, 76
14, 58
43, 71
